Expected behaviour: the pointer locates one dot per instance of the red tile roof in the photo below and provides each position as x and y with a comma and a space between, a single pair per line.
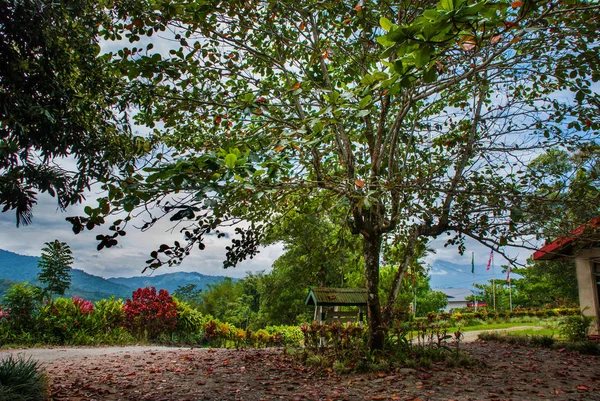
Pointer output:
562, 246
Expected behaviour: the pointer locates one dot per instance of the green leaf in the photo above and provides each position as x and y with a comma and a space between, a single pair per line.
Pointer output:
384, 41
446, 5
317, 127
422, 56
430, 75
133, 73
431, 14
230, 160
364, 101
385, 23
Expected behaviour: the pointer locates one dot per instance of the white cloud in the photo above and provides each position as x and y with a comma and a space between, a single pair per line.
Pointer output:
126, 259
438, 272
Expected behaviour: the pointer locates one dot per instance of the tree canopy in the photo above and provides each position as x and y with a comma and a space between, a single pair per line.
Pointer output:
419, 118
60, 99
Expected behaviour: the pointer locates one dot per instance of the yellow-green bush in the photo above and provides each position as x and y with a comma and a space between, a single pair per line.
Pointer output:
109, 314
189, 320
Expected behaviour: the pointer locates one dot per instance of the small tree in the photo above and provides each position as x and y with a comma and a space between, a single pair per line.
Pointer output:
55, 263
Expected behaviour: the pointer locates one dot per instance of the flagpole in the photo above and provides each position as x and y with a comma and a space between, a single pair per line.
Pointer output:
510, 293
493, 285
473, 272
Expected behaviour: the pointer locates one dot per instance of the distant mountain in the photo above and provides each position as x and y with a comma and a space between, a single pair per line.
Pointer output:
446, 274
167, 281
16, 268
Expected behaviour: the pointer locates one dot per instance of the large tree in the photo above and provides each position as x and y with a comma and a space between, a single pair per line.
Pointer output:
319, 252
417, 117
59, 103
570, 178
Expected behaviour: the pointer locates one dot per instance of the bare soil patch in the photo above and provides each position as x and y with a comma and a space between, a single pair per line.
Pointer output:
506, 373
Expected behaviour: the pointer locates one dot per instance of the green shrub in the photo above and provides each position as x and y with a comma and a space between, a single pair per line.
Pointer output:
576, 327
445, 316
20, 303
109, 314
542, 341
584, 347
189, 320
116, 336
473, 322
67, 321
457, 316
290, 335
22, 380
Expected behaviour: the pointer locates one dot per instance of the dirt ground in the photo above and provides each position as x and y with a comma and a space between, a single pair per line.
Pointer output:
506, 373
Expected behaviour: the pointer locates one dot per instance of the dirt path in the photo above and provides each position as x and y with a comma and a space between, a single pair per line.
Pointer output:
504, 373
470, 336
54, 353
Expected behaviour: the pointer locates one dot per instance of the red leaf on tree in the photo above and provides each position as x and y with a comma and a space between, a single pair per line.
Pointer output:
468, 44
516, 4
359, 183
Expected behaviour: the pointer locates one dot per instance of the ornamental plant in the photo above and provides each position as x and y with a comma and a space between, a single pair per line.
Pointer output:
66, 321
83, 306
19, 306
109, 314
189, 320
150, 314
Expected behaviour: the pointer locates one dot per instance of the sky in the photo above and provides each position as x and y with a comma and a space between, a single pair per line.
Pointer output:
128, 258
448, 268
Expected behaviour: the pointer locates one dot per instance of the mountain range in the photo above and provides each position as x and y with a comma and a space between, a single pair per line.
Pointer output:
446, 274
18, 268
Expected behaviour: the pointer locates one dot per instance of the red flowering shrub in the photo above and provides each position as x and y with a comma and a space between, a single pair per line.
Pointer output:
84, 306
150, 313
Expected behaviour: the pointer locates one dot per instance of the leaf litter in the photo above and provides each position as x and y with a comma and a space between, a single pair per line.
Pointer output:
503, 372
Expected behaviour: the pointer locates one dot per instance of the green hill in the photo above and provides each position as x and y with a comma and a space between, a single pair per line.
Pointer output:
18, 268
168, 281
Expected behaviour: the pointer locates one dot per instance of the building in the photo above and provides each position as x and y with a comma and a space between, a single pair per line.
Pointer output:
327, 303
583, 245
457, 297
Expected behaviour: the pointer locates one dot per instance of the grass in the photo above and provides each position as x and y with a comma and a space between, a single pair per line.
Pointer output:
493, 326
536, 332
22, 379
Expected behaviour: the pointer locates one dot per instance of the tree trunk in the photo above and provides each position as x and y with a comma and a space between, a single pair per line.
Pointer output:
407, 260
371, 251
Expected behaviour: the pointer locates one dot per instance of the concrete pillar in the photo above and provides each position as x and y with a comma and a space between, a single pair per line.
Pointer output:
587, 283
